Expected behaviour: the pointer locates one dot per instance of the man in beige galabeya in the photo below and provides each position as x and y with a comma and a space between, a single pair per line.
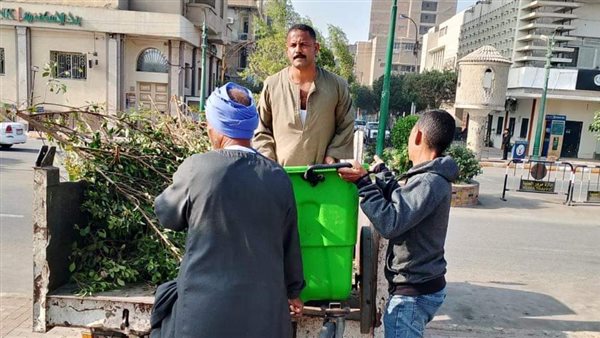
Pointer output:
304, 110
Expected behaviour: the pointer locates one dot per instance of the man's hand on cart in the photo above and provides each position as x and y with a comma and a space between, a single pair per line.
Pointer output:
358, 172
296, 307
353, 174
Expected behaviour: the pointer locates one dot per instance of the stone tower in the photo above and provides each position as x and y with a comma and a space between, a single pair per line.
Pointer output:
481, 89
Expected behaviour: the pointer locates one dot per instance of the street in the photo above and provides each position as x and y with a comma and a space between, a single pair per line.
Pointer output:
530, 263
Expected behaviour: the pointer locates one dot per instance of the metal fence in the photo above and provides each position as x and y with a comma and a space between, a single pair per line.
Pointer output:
541, 177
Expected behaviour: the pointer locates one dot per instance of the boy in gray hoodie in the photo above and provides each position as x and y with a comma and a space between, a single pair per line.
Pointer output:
414, 217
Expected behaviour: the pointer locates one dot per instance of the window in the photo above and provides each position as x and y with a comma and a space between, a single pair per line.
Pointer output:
69, 65
397, 45
500, 125
428, 18
423, 29
444, 31
243, 58
408, 46
187, 75
429, 6
153, 61
524, 127
2, 61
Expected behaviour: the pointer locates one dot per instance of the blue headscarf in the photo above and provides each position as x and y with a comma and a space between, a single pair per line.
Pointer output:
228, 117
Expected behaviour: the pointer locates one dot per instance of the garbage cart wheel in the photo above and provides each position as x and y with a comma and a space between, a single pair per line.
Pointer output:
368, 278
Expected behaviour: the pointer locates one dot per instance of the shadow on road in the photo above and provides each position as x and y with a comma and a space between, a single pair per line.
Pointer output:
485, 306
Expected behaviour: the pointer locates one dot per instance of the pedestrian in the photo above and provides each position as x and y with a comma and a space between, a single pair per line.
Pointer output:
506, 147
241, 274
413, 215
304, 110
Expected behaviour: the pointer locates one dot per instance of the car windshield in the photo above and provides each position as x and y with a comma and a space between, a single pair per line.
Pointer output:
372, 125
360, 123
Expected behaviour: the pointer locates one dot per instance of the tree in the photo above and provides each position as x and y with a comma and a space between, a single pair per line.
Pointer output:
268, 55
364, 98
400, 96
433, 88
344, 62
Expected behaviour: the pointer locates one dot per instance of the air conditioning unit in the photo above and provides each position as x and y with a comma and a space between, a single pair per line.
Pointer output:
230, 20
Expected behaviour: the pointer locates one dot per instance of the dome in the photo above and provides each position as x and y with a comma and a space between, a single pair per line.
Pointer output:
485, 54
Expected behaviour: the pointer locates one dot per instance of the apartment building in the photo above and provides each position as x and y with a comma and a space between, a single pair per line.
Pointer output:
243, 14
521, 30
415, 18
122, 53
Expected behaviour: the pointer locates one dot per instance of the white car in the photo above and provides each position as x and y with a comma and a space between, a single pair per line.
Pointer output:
372, 129
12, 133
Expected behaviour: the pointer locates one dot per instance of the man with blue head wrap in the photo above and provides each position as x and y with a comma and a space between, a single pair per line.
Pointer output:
242, 263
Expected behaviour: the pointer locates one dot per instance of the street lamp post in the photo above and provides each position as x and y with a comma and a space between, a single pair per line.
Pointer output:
203, 61
416, 48
540, 122
385, 92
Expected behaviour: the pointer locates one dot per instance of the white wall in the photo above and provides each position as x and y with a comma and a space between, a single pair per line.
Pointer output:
8, 81
79, 92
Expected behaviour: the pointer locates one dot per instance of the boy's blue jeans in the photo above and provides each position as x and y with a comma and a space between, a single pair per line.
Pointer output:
406, 316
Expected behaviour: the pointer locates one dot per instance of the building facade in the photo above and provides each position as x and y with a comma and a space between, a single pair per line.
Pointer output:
522, 30
370, 60
243, 13
123, 54
440, 45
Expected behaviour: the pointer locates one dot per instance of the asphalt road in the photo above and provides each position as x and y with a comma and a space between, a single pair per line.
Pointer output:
528, 263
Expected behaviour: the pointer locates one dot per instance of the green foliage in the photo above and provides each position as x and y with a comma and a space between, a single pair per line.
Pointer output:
401, 131
433, 88
364, 98
397, 156
338, 43
401, 95
428, 90
467, 163
595, 126
127, 160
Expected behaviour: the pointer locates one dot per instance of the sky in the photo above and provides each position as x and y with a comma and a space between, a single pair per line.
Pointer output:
352, 16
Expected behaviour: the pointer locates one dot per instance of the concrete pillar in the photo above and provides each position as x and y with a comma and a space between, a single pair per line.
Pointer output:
115, 75
23, 67
477, 129
44, 179
175, 80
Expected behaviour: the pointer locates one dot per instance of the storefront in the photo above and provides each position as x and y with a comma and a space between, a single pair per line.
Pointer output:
120, 59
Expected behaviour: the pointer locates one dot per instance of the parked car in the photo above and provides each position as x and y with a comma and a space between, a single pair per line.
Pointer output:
359, 125
371, 131
12, 133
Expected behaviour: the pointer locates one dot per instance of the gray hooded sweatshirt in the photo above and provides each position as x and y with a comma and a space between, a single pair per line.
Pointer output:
414, 217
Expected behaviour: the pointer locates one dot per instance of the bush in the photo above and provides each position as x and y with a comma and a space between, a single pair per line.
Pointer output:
401, 131
396, 157
467, 163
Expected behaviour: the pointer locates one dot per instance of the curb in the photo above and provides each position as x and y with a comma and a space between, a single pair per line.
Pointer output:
595, 169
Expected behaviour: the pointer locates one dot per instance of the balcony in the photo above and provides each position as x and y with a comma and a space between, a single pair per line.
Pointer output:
558, 17
544, 48
543, 59
534, 37
552, 27
540, 3
218, 31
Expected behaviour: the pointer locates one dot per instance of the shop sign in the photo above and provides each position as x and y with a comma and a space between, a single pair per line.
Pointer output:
20, 15
537, 186
593, 196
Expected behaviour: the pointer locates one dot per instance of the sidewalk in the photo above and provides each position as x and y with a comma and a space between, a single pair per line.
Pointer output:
16, 318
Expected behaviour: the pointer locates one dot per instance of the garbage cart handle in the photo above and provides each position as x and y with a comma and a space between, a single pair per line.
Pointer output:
314, 178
